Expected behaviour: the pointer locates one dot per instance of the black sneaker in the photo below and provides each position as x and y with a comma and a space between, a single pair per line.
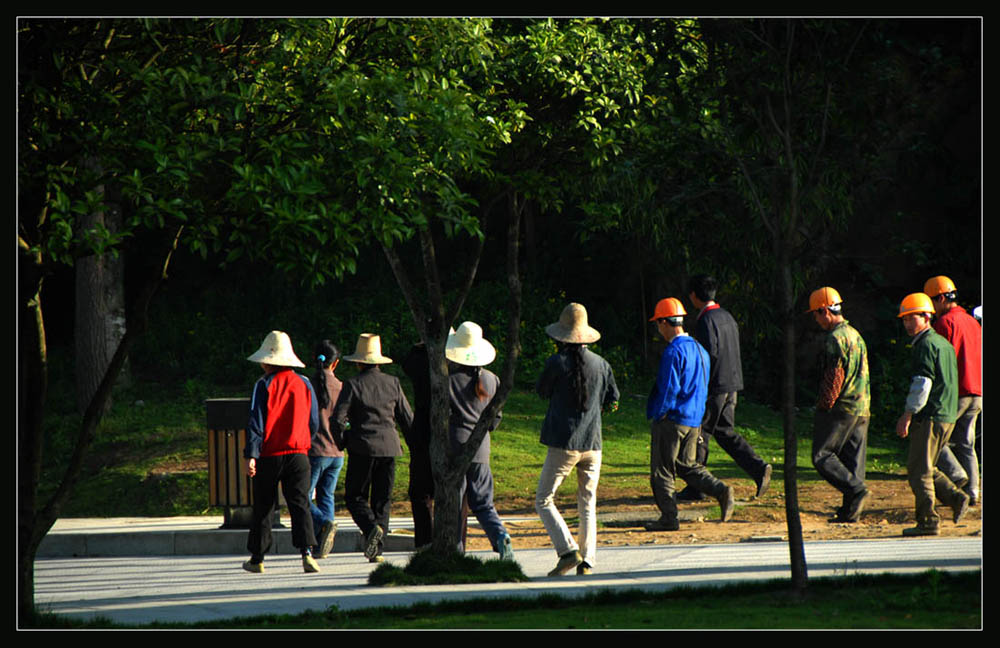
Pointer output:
373, 541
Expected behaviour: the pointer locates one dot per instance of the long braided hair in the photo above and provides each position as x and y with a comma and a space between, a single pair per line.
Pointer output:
475, 387
578, 387
324, 355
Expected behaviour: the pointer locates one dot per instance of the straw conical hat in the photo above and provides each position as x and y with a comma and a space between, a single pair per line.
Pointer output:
276, 349
466, 346
572, 326
368, 350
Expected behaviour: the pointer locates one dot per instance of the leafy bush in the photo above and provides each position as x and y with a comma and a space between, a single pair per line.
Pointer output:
429, 568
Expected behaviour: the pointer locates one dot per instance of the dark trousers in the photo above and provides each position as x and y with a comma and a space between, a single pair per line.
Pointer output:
839, 449
421, 493
671, 455
368, 490
292, 471
477, 498
720, 422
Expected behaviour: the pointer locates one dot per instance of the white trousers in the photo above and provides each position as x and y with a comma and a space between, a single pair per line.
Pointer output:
558, 464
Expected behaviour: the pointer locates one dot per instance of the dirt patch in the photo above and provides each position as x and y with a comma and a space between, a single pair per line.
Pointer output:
621, 515
180, 466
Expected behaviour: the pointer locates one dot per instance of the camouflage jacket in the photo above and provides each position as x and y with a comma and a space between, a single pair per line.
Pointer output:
845, 385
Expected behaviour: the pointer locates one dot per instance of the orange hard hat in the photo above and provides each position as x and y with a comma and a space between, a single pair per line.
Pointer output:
669, 307
938, 285
916, 303
823, 298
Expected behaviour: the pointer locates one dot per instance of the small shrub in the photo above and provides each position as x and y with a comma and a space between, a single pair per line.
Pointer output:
430, 568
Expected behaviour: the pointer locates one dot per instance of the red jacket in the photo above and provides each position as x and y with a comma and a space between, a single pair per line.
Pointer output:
283, 415
966, 335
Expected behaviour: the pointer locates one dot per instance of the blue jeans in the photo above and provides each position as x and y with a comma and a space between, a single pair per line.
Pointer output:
325, 471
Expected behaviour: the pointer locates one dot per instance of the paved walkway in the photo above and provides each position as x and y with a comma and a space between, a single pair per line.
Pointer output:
181, 587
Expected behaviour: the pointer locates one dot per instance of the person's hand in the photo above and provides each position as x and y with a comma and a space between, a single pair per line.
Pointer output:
903, 425
251, 466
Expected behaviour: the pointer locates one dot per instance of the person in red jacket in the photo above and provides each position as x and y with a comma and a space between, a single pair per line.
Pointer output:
283, 417
958, 459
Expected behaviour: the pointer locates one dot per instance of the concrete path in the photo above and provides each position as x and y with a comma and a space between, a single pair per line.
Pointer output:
188, 587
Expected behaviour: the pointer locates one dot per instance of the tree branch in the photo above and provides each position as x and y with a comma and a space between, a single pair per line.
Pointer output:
409, 293
137, 324
466, 287
464, 456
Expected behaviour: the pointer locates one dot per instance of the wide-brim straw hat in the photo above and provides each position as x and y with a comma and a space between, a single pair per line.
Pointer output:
572, 326
276, 350
466, 346
368, 350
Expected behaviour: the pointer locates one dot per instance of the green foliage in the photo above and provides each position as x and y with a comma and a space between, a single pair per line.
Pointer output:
889, 358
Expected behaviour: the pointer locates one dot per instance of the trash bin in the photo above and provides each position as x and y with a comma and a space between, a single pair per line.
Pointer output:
229, 485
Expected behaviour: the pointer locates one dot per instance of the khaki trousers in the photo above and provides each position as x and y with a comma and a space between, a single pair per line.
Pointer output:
927, 439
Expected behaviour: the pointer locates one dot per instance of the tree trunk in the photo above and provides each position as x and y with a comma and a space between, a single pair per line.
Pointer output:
100, 311
34, 521
449, 467
447, 471
32, 390
796, 547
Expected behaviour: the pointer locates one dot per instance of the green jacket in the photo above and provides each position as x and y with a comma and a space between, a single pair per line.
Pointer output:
934, 358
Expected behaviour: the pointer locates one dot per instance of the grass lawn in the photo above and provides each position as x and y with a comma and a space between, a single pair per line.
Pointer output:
150, 459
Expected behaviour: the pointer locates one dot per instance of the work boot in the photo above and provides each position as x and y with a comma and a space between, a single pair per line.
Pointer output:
921, 530
727, 503
690, 494
663, 524
566, 563
763, 482
960, 508
853, 511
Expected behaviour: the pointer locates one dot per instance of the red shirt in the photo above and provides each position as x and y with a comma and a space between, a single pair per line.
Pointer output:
966, 335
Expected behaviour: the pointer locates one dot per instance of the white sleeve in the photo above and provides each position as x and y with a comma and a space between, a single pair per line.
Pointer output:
920, 390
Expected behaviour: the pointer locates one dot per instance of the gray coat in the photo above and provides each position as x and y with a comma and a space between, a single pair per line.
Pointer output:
565, 426
467, 407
